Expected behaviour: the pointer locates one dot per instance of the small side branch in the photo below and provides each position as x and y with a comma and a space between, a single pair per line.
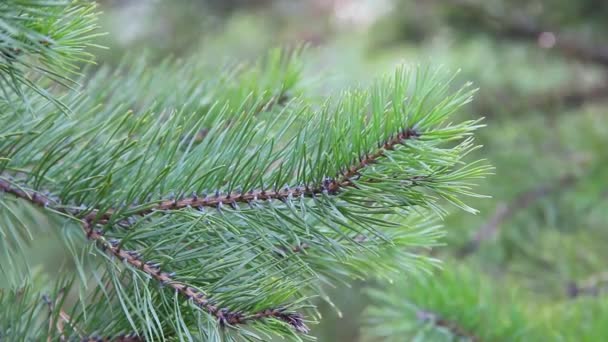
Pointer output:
571, 98
33, 197
328, 186
279, 100
62, 318
196, 296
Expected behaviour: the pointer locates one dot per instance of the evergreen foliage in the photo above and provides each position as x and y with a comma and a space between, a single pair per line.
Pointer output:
531, 267
209, 205
43, 39
455, 304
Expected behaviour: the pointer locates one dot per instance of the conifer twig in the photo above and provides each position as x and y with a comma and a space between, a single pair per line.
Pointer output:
200, 299
224, 316
33, 197
134, 259
329, 186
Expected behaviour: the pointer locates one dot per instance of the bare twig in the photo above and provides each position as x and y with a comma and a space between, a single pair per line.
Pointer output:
504, 211
62, 319
571, 98
118, 338
591, 286
452, 327
525, 27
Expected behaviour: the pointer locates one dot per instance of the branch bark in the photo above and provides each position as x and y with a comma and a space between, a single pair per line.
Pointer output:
134, 259
452, 327
591, 286
329, 186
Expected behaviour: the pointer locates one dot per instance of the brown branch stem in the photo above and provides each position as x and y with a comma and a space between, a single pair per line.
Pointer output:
218, 200
591, 286
118, 338
438, 321
132, 258
329, 186
198, 297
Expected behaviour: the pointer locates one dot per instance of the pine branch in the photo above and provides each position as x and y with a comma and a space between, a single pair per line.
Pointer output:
43, 38
225, 316
407, 158
458, 301
329, 186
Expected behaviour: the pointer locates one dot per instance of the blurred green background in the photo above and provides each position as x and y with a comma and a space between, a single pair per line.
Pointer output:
542, 71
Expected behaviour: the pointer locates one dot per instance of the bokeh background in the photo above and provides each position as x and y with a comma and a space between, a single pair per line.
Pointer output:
542, 72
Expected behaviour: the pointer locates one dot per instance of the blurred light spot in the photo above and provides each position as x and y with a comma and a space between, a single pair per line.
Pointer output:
546, 40
361, 13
